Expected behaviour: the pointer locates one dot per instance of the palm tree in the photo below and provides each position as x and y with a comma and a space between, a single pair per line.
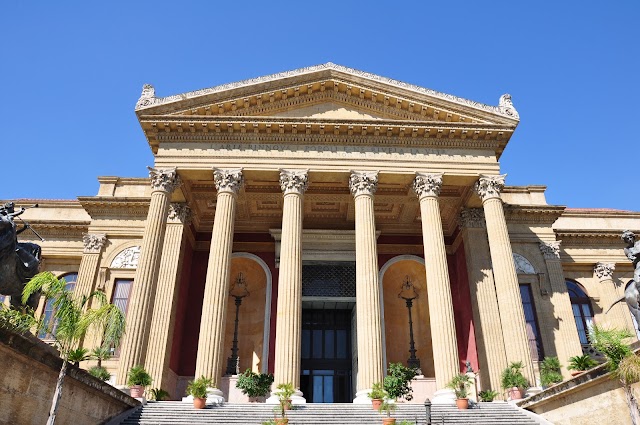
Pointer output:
72, 319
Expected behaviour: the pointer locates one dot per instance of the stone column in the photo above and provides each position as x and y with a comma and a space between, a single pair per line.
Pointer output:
289, 311
617, 316
93, 244
565, 334
484, 301
140, 310
363, 185
162, 325
504, 273
216, 292
443, 327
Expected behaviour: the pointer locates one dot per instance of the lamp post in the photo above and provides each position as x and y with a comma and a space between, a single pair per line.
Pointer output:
408, 292
238, 291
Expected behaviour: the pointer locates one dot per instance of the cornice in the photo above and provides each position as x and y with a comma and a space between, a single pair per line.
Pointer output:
590, 237
98, 206
148, 99
55, 229
532, 214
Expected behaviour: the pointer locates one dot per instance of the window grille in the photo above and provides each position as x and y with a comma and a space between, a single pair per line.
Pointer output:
329, 280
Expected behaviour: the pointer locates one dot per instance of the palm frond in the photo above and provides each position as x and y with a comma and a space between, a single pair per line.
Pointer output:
46, 283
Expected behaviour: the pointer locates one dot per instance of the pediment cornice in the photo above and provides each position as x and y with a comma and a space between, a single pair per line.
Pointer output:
105, 206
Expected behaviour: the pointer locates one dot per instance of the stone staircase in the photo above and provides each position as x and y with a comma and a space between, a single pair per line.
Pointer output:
176, 413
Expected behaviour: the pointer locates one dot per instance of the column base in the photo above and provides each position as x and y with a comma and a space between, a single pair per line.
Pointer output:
296, 398
214, 396
362, 397
445, 396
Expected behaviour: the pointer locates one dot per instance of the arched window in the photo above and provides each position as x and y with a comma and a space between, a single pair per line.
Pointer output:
582, 311
49, 313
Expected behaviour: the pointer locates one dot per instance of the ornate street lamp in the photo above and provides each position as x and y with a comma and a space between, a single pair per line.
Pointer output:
238, 291
408, 292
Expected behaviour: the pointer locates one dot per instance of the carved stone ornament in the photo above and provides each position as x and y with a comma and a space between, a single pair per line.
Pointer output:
148, 96
179, 213
127, 258
93, 243
166, 179
363, 183
427, 184
523, 266
550, 250
604, 271
506, 106
488, 187
228, 181
294, 181
472, 218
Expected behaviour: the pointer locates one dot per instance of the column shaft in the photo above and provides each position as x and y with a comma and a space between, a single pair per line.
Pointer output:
619, 316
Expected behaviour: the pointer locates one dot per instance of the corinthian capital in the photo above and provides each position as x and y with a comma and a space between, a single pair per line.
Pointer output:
427, 184
93, 242
294, 181
164, 179
363, 183
179, 213
472, 218
228, 180
604, 271
550, 250
488, 187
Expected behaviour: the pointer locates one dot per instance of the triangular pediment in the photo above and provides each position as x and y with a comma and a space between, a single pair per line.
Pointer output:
330, 111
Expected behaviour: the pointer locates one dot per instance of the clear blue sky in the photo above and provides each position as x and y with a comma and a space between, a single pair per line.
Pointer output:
71, 73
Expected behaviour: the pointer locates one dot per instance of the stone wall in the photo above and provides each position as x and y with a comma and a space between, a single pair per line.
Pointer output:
28, 377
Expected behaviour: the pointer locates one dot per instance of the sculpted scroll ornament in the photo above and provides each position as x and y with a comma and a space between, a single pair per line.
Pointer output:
148, 96
166, 179
294, 181
604, 271
506, 106
427, 184
179, 213
228, 181
93, 243
550, 250
472, 218
127, 258
363, 183
488, 187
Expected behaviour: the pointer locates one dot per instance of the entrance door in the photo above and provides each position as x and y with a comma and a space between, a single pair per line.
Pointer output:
326, 355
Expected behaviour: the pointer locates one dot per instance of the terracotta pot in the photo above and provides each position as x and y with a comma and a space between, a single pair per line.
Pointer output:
462, 403
287, 405
388, 421
199, 403
515, 393
282, 421
576, 372
376, 403
137, 391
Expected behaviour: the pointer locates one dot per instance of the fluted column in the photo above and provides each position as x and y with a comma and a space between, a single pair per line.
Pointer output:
93, 244
140, 310
363, 185
216, 292
289, 312
484, 301
617, 316
162, 325
443, 327
506, 280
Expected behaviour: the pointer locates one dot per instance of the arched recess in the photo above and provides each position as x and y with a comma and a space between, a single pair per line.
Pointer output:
395, 316
582, 309
255, 313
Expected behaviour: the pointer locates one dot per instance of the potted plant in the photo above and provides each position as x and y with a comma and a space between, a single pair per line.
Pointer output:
487, 395
158, 394
284, 392
137, 379
396, 383
578, 364
377, 395
513, 381
388, 407
198, 390
460, 386
550, 371
100, 372
254, 384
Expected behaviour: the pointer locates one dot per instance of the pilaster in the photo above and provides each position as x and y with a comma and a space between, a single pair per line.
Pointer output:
616, 317
93, 244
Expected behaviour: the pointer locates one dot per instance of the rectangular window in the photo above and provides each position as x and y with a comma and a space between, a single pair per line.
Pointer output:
121, 294
533, 331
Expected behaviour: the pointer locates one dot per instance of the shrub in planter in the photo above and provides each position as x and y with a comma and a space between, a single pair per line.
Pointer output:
198, 390
158, 394
254, 384
377, 395
578, 364
487, 395
100, 373
387, 408
396, 383
513, 380
284, 393
137, 379
550, 371
460, 386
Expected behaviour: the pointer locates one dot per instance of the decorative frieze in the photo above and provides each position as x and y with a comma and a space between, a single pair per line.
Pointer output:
427, 184
294, 181
488, 187
550, 250
179, 213
228, 180
164, 179
604, 271
472, 218
93, 243
363, 183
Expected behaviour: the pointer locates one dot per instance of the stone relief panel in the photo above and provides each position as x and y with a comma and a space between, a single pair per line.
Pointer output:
127, 258
523, 266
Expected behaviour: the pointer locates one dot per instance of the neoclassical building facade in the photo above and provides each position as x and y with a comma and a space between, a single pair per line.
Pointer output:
363, 220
